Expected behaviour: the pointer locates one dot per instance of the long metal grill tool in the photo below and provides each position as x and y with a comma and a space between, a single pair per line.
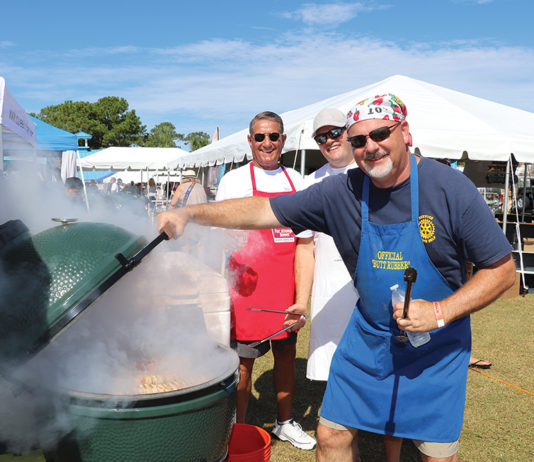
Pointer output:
279, 312
259, 342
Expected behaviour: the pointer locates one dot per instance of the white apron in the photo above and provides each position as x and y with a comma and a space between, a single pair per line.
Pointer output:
333, 299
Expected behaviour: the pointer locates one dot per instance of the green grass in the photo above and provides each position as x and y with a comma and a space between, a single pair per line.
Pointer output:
498, 417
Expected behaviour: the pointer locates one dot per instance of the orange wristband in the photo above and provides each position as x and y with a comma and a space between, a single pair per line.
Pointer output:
439, 314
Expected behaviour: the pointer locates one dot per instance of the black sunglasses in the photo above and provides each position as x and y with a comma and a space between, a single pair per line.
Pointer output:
259, 137
332, 134
379, 134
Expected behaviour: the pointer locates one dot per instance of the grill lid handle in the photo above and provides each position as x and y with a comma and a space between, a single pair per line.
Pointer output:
130, 264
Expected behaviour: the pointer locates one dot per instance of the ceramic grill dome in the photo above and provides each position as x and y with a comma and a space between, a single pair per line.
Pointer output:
80, 256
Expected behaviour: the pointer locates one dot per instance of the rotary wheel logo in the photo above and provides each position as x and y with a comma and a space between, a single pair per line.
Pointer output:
427, 228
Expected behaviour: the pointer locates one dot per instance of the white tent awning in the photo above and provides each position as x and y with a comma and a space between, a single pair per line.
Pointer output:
444, 124
136, 158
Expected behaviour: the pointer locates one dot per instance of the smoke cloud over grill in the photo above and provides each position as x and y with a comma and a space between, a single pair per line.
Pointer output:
166, 319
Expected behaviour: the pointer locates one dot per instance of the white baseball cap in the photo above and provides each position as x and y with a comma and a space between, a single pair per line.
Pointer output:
329, 116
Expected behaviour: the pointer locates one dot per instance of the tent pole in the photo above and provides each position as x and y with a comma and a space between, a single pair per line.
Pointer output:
1, 150
303, 154
83, 180
524, 191
506, 190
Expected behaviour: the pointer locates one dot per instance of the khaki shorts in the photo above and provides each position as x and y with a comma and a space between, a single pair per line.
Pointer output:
428, 448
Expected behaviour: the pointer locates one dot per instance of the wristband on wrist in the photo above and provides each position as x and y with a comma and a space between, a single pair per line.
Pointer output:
439, 314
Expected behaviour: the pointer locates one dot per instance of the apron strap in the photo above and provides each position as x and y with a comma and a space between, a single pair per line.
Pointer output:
183, 200
288, 179
414, 189
253, 178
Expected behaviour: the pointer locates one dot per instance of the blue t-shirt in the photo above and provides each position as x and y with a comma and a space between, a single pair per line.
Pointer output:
455, 223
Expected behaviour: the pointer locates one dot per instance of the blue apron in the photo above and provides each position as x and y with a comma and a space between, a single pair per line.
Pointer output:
378, 383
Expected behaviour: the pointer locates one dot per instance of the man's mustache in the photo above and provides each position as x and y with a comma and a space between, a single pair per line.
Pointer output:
375, 155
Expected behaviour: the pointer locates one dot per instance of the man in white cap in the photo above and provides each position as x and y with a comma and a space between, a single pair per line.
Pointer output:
333, 295
397, 211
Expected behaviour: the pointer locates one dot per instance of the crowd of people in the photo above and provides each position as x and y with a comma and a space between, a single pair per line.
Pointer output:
345, 235
136, 196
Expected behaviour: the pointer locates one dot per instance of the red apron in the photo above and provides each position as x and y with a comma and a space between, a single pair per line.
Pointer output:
261, 275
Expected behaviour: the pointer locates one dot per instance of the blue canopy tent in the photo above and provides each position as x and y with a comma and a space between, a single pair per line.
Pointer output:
51, 139
51, 142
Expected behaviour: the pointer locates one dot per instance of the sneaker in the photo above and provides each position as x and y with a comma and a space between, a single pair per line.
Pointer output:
293, 432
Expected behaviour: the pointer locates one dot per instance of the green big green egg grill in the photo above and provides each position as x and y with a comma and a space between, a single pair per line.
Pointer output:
55, 276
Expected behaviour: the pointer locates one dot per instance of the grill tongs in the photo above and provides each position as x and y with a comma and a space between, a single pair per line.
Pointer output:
259, 342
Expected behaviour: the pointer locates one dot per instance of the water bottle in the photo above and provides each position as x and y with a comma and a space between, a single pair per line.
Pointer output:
416, 338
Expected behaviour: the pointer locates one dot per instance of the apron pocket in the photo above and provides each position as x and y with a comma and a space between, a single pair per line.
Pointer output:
368, 348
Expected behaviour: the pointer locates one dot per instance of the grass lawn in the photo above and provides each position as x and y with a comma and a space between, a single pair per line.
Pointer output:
498, 417
498, 424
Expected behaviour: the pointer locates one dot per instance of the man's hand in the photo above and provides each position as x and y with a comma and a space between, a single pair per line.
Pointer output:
420, 318
172, 222
295, 313
482, 289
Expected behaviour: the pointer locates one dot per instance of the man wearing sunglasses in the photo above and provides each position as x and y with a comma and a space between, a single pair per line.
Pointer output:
261, 275
333, 294
396, 211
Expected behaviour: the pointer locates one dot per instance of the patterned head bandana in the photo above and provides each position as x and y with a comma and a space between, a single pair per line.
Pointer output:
386, 107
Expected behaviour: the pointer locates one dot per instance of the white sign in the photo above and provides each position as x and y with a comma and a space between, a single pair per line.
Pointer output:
13, 116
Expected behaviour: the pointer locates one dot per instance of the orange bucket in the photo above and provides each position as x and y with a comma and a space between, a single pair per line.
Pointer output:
249, 443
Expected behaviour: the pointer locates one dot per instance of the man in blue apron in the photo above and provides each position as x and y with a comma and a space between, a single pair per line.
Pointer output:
396, 211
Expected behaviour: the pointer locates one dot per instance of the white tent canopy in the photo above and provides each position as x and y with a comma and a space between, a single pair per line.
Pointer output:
444, 124
16, 129
136, 158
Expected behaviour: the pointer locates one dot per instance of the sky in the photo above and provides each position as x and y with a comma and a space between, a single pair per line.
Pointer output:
207, 64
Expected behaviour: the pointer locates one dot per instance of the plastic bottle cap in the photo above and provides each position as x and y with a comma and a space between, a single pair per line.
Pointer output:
395, 287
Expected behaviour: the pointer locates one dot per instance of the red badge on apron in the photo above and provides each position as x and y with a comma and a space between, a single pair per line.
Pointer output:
261, 275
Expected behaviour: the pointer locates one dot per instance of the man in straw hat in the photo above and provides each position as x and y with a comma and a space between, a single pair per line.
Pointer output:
396, 211
189, 192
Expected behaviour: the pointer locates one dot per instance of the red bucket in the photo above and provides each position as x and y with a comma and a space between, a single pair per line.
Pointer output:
249, 443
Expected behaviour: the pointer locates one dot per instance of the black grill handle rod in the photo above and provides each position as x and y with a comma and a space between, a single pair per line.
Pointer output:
130, 264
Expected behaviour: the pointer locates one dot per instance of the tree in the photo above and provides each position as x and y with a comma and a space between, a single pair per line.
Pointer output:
163, 136
196, 140
108, 121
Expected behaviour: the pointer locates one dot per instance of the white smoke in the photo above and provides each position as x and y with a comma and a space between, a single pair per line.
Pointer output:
167, 317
